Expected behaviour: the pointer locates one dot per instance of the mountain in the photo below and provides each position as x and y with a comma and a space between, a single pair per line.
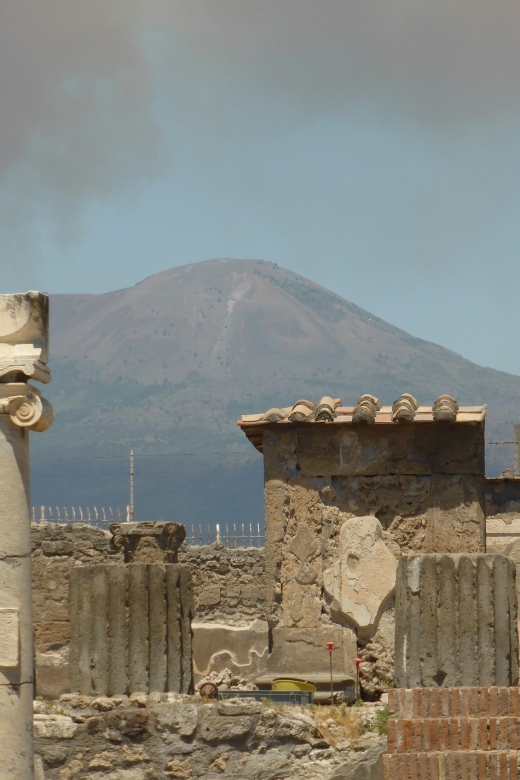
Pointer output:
171, 363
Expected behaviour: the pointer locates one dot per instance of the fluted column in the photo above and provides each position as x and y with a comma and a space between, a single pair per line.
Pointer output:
455, 621
23, 355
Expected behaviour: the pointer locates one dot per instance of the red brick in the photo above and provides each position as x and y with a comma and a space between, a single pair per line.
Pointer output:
386, 771
435, 734
513, 766
408, 735
418, 738
481, 764
484, 702
493, 742
393, 701
402, 702
391, 736
513, 733
424, 703
483, 734
413, 766
454, 743
435, 703
473, 733
427, 738
423, 767
450, 765
465, 702
493, 701
503, 765
434, 766
445, 702
445, 734
400, 736
408, 706
474, 701
465, 773
455, 702
503, 701
513, 701
416, 695
464, 734
492, 763
473, 763
503, 729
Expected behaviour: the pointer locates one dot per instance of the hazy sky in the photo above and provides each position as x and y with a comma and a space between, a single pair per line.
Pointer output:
370, 145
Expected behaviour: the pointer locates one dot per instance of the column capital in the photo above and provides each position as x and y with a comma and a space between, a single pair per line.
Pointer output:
25, 406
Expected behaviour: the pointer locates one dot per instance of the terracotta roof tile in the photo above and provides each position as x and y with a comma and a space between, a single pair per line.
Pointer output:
367, 411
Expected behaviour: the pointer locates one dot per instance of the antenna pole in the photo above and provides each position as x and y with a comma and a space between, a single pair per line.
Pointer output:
131, 486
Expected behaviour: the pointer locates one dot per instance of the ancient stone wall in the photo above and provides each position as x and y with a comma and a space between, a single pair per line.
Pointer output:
411, 488
171, 736
502, 513
229, 585
229, 597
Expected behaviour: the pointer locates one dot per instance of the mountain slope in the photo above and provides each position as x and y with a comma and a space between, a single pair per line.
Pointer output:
171, 363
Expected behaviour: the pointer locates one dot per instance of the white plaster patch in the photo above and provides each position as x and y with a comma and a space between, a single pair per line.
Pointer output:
9, 637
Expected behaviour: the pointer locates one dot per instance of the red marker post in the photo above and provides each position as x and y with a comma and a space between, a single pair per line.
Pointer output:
358, 662
330, 645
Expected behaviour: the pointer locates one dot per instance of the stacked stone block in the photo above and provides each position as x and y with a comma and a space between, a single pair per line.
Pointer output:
130, 629
456, 621
453, 734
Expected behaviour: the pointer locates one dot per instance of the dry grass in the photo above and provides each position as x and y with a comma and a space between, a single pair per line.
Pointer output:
338, 723
335, 724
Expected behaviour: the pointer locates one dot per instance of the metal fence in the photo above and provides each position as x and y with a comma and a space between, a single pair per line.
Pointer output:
199, 490
239, 535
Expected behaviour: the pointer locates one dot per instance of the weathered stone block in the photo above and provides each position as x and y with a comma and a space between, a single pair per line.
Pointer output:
364, 575
456, 621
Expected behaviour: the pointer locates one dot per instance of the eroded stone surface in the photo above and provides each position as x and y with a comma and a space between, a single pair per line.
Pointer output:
364, 574
238, 739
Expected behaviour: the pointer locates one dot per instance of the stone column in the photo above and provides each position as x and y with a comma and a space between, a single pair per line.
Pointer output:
23, 355
455, 621
130, 628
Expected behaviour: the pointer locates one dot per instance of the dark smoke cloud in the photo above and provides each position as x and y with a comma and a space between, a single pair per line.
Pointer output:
441, 62
77, 122
79, 84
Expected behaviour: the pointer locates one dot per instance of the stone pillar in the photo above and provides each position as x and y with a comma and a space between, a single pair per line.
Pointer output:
455, 621
130, 628
23, 355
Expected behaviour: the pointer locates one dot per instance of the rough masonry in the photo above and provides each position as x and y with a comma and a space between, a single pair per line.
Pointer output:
384, 480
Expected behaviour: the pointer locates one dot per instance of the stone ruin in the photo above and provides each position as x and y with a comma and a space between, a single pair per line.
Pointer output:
348, 491
131, 622
24, 325
357, 499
